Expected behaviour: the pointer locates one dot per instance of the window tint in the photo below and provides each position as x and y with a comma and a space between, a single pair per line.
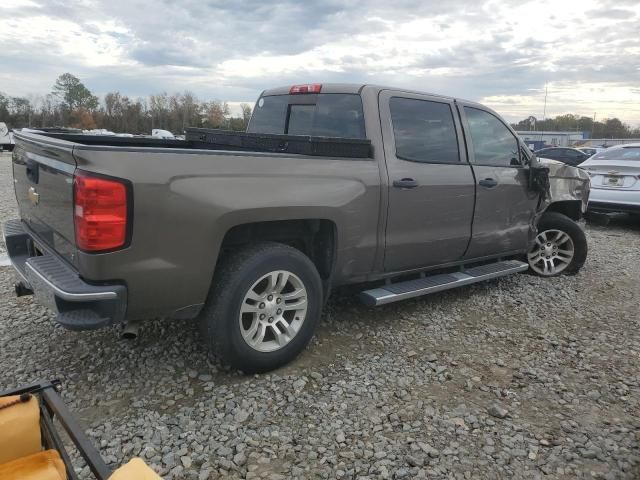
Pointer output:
493, 142
424, 131
573, 153
545, 152
269, 115
338, 116
301, 119
619, 153
332, 115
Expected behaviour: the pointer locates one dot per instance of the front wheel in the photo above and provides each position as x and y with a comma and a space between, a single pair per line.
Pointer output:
263, 307
560, 246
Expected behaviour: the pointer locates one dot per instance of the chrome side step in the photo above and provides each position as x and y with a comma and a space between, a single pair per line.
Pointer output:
436, 283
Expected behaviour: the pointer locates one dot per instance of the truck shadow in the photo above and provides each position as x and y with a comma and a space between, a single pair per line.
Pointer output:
615, 222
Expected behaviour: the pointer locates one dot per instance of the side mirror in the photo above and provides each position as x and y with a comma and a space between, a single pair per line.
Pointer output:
526, 155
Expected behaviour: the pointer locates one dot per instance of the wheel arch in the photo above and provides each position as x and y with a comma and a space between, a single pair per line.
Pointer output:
317, 238
569, 208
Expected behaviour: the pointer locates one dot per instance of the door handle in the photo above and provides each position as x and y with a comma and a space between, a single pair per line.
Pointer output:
405, 183
488, 182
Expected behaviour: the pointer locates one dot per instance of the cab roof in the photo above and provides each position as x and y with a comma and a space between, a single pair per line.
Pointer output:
357, 88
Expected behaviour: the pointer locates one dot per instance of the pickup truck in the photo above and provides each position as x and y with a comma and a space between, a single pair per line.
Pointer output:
251, 242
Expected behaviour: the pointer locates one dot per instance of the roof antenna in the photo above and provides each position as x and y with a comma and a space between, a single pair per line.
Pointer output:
544, 111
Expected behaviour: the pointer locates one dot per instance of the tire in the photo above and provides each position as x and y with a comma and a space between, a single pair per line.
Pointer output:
557, 234
233, 307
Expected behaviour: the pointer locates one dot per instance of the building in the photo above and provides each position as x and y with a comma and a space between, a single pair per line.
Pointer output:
538, 140
609, 142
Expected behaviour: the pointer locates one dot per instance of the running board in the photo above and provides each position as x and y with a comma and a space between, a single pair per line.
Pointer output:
436, 283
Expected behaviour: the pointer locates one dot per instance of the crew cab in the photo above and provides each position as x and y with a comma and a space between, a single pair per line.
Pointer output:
405, 192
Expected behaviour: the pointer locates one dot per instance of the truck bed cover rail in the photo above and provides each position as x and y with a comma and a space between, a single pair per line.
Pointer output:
213, 139
276, 143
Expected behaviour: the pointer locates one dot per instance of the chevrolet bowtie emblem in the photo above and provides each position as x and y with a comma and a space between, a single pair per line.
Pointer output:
34, 196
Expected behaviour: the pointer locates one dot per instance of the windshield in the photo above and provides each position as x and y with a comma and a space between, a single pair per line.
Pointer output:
322, 115
624, 153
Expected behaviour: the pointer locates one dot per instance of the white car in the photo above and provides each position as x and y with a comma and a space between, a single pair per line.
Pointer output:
6, 137
615, 179
591, 151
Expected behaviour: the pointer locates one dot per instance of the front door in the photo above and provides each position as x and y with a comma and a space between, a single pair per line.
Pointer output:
505, 207
431, 185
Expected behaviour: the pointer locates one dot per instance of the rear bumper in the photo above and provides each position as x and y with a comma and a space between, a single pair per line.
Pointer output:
78, 305
614, 200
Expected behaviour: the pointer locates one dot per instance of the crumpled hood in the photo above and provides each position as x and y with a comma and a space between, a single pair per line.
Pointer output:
566, 182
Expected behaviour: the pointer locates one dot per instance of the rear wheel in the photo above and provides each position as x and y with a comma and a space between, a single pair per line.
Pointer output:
559, 248
263, 308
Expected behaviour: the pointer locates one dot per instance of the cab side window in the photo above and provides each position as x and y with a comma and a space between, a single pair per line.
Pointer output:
424, 131
493, 142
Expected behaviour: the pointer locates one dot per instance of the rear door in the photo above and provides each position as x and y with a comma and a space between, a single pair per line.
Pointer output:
431, 185
43, 180
505, 207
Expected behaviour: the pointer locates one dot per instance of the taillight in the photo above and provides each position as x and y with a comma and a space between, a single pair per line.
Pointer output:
100, 212
309, 88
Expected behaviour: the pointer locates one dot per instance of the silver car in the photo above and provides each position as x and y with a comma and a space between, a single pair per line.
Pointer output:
615, 179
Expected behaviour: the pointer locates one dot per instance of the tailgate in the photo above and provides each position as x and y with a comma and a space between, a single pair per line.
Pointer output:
43, 181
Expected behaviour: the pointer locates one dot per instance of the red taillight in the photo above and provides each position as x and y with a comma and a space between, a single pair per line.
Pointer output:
309, 88
100, 212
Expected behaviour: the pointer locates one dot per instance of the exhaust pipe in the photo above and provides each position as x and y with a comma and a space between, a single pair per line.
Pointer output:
22, 290
130, 331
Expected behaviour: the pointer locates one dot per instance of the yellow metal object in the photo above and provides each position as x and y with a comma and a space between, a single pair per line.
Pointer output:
136, 469
46, 465
19, 428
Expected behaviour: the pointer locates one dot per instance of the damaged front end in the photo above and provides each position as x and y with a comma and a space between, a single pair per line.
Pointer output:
558, 184
565, 184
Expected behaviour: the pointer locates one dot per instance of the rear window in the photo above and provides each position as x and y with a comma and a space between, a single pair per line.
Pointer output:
322, 115
624, 153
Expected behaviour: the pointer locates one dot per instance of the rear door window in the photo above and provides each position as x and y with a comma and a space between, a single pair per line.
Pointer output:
321, 115
424, 131
623, 153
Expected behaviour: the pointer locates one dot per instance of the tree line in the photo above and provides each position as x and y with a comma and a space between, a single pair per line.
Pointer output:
71, 104
606, 128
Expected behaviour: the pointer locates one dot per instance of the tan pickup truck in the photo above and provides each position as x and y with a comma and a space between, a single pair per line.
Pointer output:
407, 192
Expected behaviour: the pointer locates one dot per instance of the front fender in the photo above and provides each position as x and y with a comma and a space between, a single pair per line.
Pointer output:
566, 183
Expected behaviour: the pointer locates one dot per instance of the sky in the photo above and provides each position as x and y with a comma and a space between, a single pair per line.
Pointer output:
502, 53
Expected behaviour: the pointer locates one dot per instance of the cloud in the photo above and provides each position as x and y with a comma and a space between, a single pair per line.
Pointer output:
489, 50
611, 13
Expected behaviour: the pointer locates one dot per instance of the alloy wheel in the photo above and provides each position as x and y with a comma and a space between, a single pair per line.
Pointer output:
273, 311
552, 253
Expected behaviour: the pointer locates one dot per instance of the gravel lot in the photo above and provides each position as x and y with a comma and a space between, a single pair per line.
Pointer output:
515, 378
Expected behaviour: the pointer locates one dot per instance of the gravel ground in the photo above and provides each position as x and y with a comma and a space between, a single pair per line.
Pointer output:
516, 378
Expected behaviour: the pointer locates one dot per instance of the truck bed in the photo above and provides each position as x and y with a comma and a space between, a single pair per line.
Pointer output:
185, 201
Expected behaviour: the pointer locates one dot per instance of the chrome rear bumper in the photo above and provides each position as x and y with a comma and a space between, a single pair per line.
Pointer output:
79, 305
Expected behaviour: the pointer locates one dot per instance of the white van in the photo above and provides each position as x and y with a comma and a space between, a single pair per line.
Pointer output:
6, 137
